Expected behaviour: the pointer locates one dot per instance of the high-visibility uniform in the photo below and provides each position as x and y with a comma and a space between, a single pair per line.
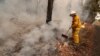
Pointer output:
76, 25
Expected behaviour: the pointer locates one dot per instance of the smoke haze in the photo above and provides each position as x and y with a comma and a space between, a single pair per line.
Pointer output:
23, 31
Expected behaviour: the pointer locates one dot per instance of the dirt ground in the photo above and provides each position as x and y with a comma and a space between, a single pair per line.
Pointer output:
97, 41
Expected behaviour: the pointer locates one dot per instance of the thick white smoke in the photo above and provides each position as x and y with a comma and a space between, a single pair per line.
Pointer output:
23, 31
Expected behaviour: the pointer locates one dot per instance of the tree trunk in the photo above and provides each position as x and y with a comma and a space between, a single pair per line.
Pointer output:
93, 7
49, 11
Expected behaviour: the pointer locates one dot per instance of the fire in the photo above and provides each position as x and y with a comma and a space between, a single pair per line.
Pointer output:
63, 49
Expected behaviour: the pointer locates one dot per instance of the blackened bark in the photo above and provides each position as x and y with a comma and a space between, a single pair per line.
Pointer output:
49, 11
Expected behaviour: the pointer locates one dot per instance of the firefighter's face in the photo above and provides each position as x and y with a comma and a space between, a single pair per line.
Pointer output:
72, 15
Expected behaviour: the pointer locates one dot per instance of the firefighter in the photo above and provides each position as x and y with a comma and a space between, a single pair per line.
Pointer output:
76, 25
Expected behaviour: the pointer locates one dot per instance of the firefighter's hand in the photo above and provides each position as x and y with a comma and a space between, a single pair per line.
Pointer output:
83, 25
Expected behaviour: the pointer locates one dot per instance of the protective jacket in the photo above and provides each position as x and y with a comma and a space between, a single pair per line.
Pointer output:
76, 25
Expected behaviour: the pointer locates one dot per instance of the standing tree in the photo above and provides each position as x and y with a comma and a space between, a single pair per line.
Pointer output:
49, 11
92, 7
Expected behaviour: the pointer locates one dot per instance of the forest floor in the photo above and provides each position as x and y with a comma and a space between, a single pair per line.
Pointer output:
84, 48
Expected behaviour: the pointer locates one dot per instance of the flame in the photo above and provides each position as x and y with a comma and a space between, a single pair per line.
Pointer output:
63, 49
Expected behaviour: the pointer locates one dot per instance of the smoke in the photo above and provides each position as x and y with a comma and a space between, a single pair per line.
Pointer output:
23, 31
38, 42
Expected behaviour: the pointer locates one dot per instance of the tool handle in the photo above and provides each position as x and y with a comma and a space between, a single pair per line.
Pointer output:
69, 29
